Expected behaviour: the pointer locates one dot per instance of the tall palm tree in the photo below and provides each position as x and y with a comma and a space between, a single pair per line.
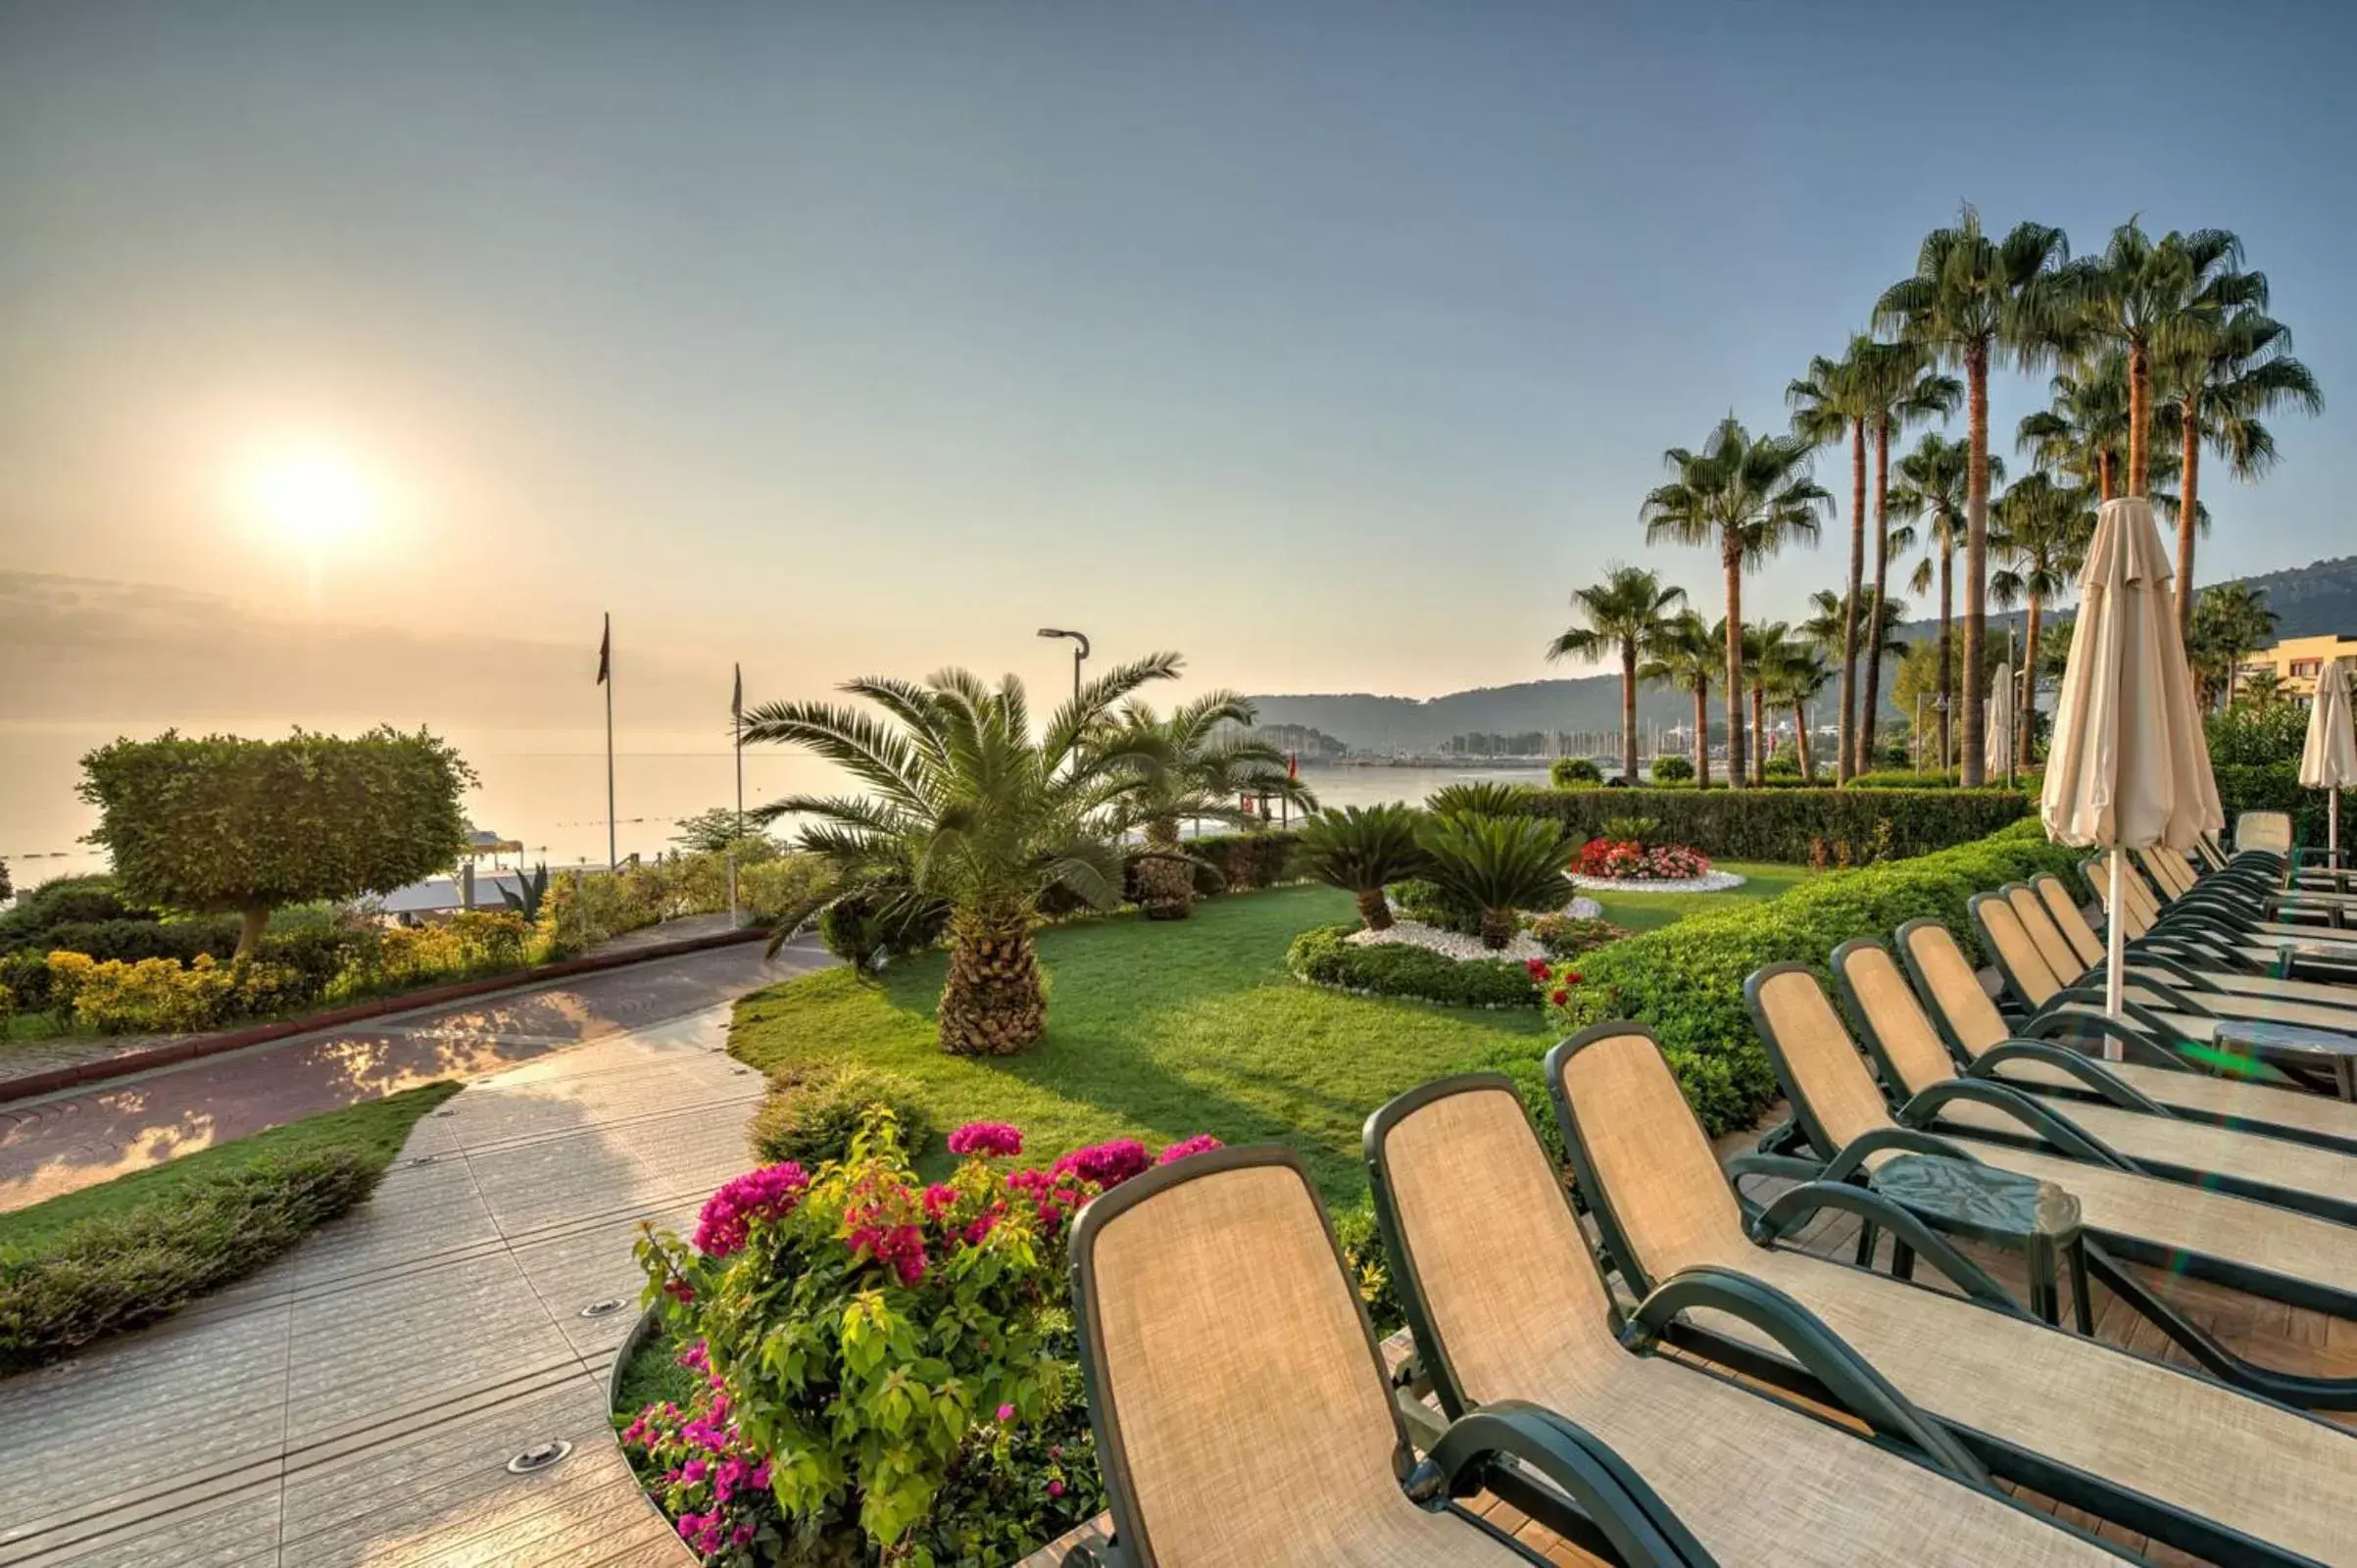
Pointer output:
2083, 431
1933, 482
1747, 500
2156, 296
2219, 376
965, 811
2042, 531
1836, 398
1765, 647
1625, 614
2231, 621
1689, 654
1973, 298
1904, 386
1186, 767
1797, 672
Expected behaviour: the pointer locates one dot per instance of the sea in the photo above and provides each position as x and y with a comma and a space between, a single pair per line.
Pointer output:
545, 788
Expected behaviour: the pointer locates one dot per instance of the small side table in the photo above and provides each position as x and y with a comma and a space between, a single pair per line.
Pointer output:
2316, 1050
1985, 1204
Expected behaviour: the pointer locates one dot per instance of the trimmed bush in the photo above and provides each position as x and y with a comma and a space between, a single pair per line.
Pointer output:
1574, 772
1672, 770
131, 941
1686, 980
1565, 936
1779, 824
812, 1112
1321, 956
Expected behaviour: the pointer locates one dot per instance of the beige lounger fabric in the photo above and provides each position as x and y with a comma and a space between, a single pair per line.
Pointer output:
1264, 1436
1978, 1026
1907, 1038
2088, 947
2269, 831
2060, 952
2182, 1440
1517, 1304
1839, 1087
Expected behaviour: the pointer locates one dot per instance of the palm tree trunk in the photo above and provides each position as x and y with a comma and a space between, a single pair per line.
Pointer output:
1759, 734
2103, 477
1628, 710
1731, 561
2140, 397
1374, 908
2189, 515
1849, 610
1872, 713
1497, 927
1165, 878
992, 1003
1948, 651
2029, 669
1800, 739
1702, 736
1976, 558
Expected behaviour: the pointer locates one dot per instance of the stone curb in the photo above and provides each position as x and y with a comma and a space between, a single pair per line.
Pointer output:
130, 1062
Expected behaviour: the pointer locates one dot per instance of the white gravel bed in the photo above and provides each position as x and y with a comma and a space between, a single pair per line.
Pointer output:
1448, 943
1715, 882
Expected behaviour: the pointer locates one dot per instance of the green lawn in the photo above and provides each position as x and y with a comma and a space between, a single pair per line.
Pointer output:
1159, 1031
1643, 912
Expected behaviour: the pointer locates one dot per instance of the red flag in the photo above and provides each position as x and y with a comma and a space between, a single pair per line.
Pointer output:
605, 652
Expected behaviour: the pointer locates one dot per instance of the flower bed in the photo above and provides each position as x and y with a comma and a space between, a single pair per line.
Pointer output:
885, 1370
1627, 863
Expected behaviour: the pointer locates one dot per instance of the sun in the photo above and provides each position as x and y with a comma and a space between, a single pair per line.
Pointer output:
313, 495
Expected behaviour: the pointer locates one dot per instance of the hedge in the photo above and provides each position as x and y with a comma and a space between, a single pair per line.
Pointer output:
1788, 825
1686, 980
2276, 787
1322, 957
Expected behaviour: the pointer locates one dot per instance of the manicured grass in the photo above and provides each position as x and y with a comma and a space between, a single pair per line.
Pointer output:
1156, 1031
1643, 912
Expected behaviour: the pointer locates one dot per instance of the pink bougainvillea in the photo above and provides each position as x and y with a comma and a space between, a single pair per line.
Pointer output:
987, 1138
769, 1193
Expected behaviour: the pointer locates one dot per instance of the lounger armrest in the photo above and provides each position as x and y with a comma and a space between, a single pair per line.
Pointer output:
1785, 1168
1829, 1359
2143, 1040
2093, 1075
1613, 1499
1851, 1158
2046, 1123
1795, 1209
2182, 949
1099, 1554
2143, 962
2166, 993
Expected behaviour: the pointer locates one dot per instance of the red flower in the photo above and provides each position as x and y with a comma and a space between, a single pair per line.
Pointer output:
1538, 971
1560, 997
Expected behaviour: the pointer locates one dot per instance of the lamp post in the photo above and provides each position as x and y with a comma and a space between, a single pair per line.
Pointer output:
1080, 651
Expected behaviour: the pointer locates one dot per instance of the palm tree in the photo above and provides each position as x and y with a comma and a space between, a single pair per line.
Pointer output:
1933, 484
1625, 614
1903, 387
1878, 639
1834, 398
2231, 621
2159, 297
2218, 377
1747, 499
1689, 654
964, 809
1797, 672
2083, 431
1973, 298
1185, 768
2042, 531
1763, 647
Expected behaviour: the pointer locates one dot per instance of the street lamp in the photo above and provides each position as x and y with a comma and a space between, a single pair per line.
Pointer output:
1079, 652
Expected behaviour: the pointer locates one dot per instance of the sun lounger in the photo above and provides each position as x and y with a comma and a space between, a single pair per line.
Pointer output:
2225, 990
2159, 1450
1242, 1416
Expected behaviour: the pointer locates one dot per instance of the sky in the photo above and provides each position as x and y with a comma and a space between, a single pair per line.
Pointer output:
1330, 344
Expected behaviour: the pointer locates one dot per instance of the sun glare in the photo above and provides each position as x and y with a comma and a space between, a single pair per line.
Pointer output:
313, 496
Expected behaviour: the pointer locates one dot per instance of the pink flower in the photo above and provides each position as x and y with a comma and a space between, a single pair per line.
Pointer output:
939, 1200
1006, 1414
741, 1536
987, 1138
1055, 1489
1107, 1164
769, 1194
1200, 1144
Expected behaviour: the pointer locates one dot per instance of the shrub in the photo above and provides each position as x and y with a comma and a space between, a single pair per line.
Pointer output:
1686, 980
1565, 936
1626, 859
1900, 778
8, 1009
115, 1271
1240, 862
26, 976
1498, 863
1360, 849
890, 1369
1577, 772
813, 1111
60, 901
1644, 830
2246, 735
1360, 1238
1482, 798
1670, 770
1778, 824
1429, 904
1323, 956
1783, 765
161, 995
2276, 787
132, 940
780, 884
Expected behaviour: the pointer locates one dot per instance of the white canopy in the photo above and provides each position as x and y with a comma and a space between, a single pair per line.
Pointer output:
2329, 761
1998, 721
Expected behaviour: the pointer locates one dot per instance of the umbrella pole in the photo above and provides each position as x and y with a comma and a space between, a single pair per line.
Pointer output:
2115, 932
2333, 827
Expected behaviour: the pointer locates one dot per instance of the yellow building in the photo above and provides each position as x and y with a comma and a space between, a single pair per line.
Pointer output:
2297, 660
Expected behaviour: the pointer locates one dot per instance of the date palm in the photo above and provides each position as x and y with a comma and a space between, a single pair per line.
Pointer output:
1797, 672
2231, 621
1836, 398
1766, 646
1195, 763
1973, 299
2042, 531
2083, 432
2220, 377
1623, 615
1932, 480
966, 809
1689, 654
2158, 297
1747, 499
1904, 388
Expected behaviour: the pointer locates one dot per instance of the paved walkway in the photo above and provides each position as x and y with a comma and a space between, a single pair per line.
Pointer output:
79, 1137
358, 1401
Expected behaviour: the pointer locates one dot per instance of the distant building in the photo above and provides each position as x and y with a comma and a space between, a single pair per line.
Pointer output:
2295, 661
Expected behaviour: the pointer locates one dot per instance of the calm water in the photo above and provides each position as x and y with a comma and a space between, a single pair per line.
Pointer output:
544, 787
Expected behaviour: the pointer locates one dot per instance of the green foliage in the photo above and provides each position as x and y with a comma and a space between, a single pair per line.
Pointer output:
1371, 1263
1481, 798
63, 901
812, 1113
225, 825
1642, 830
1238, 862
1322, 957
1429, 904
1903, 779
1673, 770
2248, 735
1361, 848
111, 1258
1779, 824
721, 829
1565, 936
1783, 765
1577, 772
1499, 864
529, 892
133, 940
2277, 787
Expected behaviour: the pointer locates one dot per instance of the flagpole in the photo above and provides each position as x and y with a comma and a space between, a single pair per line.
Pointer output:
736, 722
613, 859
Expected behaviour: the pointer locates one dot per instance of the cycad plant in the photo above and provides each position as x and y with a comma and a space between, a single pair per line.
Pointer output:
1747, 500
1185, 766
1499, 866
1480, 797
1623, 615
965, 807
1689, 654
1362, 850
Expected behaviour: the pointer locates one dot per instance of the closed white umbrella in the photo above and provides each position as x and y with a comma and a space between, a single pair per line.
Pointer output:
2329, 761
1997, 722
2128, 767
